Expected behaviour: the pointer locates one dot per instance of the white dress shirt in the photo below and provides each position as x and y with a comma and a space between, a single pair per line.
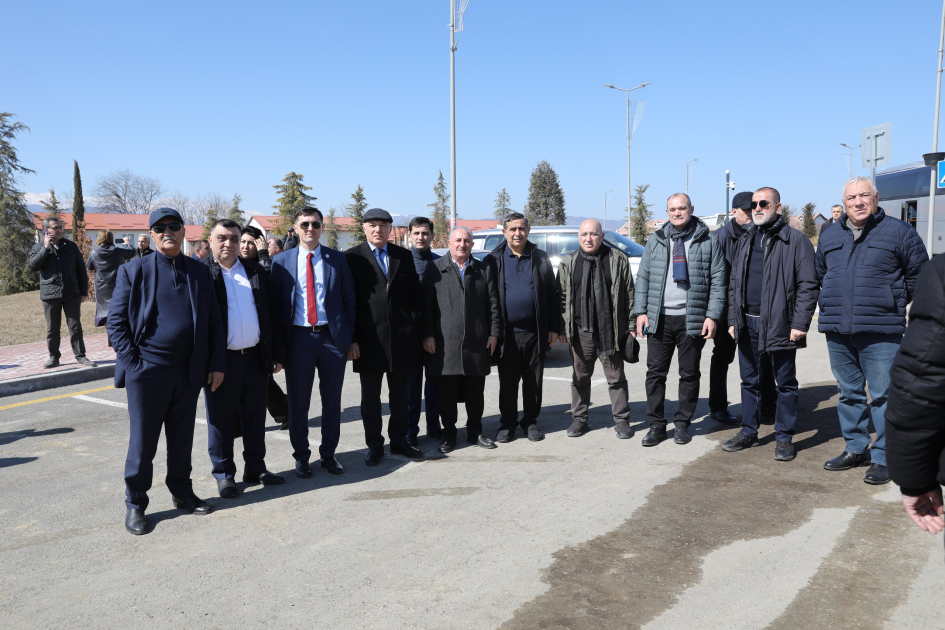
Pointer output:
301, 294
242, 329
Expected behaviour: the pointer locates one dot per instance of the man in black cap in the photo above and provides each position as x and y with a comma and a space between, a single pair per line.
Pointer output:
725, 346
165, 326
388, 308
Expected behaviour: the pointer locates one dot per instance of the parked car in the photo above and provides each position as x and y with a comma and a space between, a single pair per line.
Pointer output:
559, 240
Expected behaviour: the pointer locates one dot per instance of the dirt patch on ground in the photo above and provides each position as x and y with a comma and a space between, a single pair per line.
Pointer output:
22, 320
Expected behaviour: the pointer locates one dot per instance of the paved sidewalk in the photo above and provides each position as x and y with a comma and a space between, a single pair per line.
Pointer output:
21, 367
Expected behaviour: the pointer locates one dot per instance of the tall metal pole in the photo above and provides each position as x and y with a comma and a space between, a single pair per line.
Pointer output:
452, 114
728, 190
605, 208
938, 102
629, 194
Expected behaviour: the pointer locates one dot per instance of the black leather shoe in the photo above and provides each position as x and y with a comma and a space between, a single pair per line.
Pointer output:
447, 445
847, 460
51, 362
624, 432
406, 450
86, 362
534, 433
877, 475
266, 478
136, 523
191, 504
332, 465
281, 420
578, 428
412, 441
303, 470
374, 456
485, 442
285, 426
784, 452
681, 435
227, 488
739, 442
654, 436
725, 418
505, 435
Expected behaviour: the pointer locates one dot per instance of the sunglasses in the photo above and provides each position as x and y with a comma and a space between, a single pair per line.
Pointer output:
315, 225
161, 227
764, 203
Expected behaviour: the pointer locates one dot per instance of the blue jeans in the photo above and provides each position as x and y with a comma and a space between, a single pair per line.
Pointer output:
752, 365
858, 360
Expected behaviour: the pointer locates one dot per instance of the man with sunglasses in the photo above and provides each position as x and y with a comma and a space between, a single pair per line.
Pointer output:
165, 326
386, 332
868, 265
772, 296
313, 319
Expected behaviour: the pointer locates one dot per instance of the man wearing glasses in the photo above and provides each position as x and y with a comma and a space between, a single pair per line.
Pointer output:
165, 325
868, 266
771, 299
63, 286
313, 306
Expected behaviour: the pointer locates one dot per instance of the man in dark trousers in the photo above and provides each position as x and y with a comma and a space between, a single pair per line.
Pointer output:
725, 348
144, 247
389, 302
63, 287
462, 323
165, 326
242, 293
421, 235
531, 308
915, 414
313, 320
771, 301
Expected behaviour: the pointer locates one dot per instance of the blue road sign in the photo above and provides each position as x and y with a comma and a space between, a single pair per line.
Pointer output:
941, 174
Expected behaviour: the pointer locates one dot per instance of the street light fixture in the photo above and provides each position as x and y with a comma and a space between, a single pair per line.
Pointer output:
852, 149
629, 137
729, 187
604, 226
688, 177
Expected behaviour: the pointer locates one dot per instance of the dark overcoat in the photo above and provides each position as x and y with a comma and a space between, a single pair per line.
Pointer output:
461, 315
388, 311
105, 260
61, 270
259, 281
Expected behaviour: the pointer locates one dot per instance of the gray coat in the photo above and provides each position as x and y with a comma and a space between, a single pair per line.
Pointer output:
460, 316
707, 283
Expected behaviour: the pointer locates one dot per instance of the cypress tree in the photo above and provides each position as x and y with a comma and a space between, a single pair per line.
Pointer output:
545, 205
356, 211
641, 215
441, 213
292, 197
501, 208
17, 232
331, 231
234, 213
78, 219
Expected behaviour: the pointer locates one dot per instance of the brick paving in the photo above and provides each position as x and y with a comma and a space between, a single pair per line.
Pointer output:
27, 359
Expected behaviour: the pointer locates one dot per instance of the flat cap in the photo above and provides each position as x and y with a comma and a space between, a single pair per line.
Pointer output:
163, 213
742, 201
377, 214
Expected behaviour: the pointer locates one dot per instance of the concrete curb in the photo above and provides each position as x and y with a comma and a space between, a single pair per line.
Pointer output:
28, 384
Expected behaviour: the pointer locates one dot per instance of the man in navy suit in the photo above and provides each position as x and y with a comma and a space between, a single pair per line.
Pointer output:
165, 326
313, 320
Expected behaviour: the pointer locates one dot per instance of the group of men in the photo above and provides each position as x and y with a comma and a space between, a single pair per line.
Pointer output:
227, 323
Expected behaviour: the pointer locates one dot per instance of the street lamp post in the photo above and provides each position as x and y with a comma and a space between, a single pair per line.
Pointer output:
456, 25
852, 149
629, 136
604, 226
938, 102
729, 187
687, 173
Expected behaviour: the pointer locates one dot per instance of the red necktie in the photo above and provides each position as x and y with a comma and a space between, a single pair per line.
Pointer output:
310, 291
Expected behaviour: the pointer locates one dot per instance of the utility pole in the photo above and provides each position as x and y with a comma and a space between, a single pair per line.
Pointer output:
456, 25
688, 177
729, 187
630, 131
938, 102
604, 226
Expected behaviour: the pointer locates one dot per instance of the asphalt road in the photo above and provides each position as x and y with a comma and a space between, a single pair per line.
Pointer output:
590, 532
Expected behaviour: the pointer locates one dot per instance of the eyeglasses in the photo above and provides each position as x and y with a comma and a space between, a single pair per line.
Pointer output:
863, 195
764, 203
173, 227
315, 225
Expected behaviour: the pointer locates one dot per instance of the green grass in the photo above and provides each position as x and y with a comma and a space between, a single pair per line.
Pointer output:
22, 320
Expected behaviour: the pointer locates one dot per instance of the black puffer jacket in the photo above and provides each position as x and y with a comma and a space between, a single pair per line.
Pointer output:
915, 414
105, 260
789, 286
61, 270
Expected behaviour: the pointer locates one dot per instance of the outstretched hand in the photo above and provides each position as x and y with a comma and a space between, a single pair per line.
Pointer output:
926, 510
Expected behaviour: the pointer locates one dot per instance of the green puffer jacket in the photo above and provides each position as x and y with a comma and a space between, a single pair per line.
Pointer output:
707, 282
621, 293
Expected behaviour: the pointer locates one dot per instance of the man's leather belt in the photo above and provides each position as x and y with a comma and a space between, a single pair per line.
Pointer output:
245, 350
322, 328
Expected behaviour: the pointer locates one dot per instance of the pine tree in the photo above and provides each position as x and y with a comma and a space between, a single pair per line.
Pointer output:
292, 197
640, 215
234, 213
331, 230
502, 208
212, 215
356, 211
809, 225
787, 212
51, 206
78, 217
441, 213
17, 232
545, 205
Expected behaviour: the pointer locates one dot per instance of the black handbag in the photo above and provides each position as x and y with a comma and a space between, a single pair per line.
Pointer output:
630, 348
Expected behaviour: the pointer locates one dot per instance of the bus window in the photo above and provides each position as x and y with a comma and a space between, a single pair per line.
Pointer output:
910, 212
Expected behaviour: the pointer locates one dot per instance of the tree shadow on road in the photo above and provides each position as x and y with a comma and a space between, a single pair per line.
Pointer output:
13, 436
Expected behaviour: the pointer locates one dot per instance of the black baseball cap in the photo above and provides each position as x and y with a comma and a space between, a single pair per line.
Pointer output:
163, 213
742, 201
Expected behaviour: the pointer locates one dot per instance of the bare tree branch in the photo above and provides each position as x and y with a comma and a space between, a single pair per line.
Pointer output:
126, 193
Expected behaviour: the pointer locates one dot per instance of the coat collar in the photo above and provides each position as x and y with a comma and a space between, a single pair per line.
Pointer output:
871, 221
702, 229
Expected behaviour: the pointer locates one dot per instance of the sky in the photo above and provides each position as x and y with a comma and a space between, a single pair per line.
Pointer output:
230, 96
